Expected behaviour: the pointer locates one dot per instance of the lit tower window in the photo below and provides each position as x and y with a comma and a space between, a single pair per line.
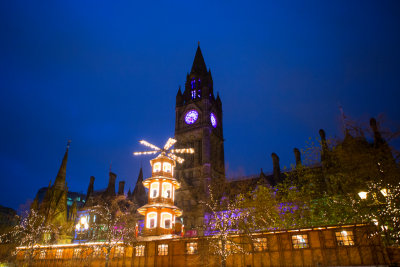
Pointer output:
160, 212
157, 167
167, 167
154, 188
167, 190
193, 86
166, 219
151, 220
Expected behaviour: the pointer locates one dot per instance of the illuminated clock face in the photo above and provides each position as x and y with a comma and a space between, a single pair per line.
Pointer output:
191, 117
213, 120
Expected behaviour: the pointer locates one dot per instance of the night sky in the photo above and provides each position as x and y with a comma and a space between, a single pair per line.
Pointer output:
105, 75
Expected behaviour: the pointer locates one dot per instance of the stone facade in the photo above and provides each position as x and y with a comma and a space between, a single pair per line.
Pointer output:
203, 132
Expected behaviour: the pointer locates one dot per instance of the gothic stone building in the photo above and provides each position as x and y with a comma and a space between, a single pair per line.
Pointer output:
199, 125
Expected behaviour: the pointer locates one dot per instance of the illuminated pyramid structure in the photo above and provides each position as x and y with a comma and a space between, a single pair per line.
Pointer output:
160, 212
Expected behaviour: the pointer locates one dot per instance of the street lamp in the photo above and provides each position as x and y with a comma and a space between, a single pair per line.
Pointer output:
362, 194
384, 192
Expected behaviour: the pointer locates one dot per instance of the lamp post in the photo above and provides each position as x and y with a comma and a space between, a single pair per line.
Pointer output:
362, 194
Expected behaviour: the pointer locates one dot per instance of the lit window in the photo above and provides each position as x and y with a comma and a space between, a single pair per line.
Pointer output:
151, 220
59, 253
77, 252
260, 244
119, 251
47, 237
139, 251
193, 83
300, 241
163, 250
191, 248
154, 189
166, 167
166, 188
157, 167
229, 246
345, 238
42, 254
166, 220
193, 94
96, 251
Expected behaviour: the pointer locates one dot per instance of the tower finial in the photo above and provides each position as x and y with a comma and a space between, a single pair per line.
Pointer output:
68, 143
198, 43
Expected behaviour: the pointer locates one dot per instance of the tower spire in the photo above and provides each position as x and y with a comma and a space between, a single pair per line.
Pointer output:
199, 65
139, 192
59, 183
179, 97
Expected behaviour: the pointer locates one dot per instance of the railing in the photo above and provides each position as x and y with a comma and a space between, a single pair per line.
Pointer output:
161, 200
162, 173
157, 231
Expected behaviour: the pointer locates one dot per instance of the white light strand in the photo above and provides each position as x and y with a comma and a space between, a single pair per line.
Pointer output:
183, 150
144, 153
164, 151
175, 157
145, 143
169, 143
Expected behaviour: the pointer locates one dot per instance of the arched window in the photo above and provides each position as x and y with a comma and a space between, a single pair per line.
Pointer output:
154, 189
151, 220
157, 167
166, 220
167, 190
167, 167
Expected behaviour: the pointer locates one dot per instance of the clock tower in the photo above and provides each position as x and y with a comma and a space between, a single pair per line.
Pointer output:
198, 124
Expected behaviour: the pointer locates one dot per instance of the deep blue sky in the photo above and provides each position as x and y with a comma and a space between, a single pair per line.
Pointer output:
105, 74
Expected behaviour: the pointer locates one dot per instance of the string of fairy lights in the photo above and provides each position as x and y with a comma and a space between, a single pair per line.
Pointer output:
166, 150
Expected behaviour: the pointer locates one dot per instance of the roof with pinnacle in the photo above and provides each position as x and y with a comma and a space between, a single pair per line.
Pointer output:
59, 182
139, 192
199, 65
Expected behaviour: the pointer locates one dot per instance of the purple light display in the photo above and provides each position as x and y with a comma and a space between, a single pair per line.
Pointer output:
191, 117
213, 120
